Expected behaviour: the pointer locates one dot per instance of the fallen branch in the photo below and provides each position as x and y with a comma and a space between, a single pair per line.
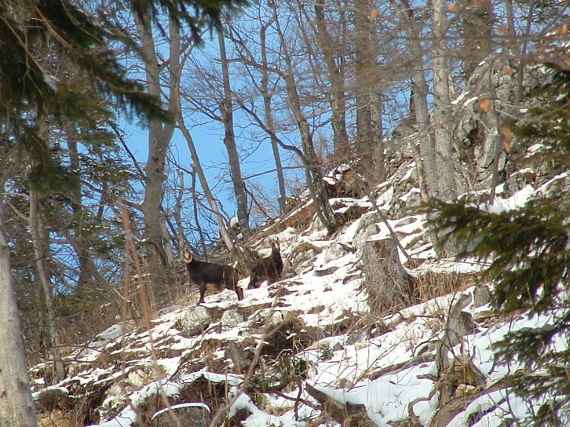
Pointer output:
346, 414
401, 366
447, 412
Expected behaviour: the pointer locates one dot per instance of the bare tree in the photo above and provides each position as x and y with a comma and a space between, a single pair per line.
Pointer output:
447, 189
426, 146
267, 96
229, 136
314, 175
366, 88
159, 137
260, 76
336, 73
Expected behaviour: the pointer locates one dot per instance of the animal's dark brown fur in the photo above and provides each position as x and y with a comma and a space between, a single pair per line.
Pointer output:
204, 273
269, 268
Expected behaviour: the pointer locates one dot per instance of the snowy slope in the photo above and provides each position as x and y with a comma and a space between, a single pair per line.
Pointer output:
382, 368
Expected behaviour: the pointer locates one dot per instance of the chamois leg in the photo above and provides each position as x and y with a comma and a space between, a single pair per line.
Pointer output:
202, 293
231, 279
252, 282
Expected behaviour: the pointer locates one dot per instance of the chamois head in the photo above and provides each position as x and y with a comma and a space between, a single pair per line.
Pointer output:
275, 244
187, 255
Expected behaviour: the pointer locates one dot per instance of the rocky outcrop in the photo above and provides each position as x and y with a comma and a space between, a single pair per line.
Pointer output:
194, 320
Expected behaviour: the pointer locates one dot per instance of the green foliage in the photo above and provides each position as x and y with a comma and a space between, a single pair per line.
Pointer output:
529, 256
35, 34
195, 14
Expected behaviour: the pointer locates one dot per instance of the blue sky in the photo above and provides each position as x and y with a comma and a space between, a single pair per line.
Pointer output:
213, 156
254, 146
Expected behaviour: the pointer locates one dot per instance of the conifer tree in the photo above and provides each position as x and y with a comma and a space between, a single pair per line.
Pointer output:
528, 251
29, 29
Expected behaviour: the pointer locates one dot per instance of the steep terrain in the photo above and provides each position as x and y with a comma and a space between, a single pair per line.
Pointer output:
308, 350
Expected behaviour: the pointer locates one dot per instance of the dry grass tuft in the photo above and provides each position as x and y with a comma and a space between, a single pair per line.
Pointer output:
432, 285
58, 418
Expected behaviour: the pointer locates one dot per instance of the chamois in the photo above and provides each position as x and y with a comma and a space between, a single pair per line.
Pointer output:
269, 268
204, 273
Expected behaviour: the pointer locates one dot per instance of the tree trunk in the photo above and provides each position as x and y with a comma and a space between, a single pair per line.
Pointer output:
159, 137
40, 246
388, 285
427, 168
242, 256
336, 76
442, 105
16, 406
377, 125
476, 34
269, 120
367, 89
314, 176
229, 138
511, 33
81, 244
197, 217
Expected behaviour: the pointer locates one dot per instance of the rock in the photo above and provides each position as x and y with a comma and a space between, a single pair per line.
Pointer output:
412, 199
302, 255
333, 252
231, 319
465, 390
337, 347
168, 309
138, 377
115, 393
275, 318
279, 291
325, 271
194, 320
368, 227
52, 398
481, 296
240, 355
475, 132
183, 415
114, 399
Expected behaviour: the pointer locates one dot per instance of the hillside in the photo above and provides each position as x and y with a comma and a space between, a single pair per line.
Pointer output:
392, 177
308, 350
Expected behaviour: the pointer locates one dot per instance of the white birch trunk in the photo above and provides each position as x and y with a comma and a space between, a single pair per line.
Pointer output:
16, 406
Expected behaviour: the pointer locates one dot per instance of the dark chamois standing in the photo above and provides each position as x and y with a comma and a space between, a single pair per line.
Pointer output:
204, 273
269, 268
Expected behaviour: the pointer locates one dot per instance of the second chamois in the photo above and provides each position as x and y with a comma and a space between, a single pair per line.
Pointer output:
269, 268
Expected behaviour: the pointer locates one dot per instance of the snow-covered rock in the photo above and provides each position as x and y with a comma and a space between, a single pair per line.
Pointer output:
231, 319
194, 320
